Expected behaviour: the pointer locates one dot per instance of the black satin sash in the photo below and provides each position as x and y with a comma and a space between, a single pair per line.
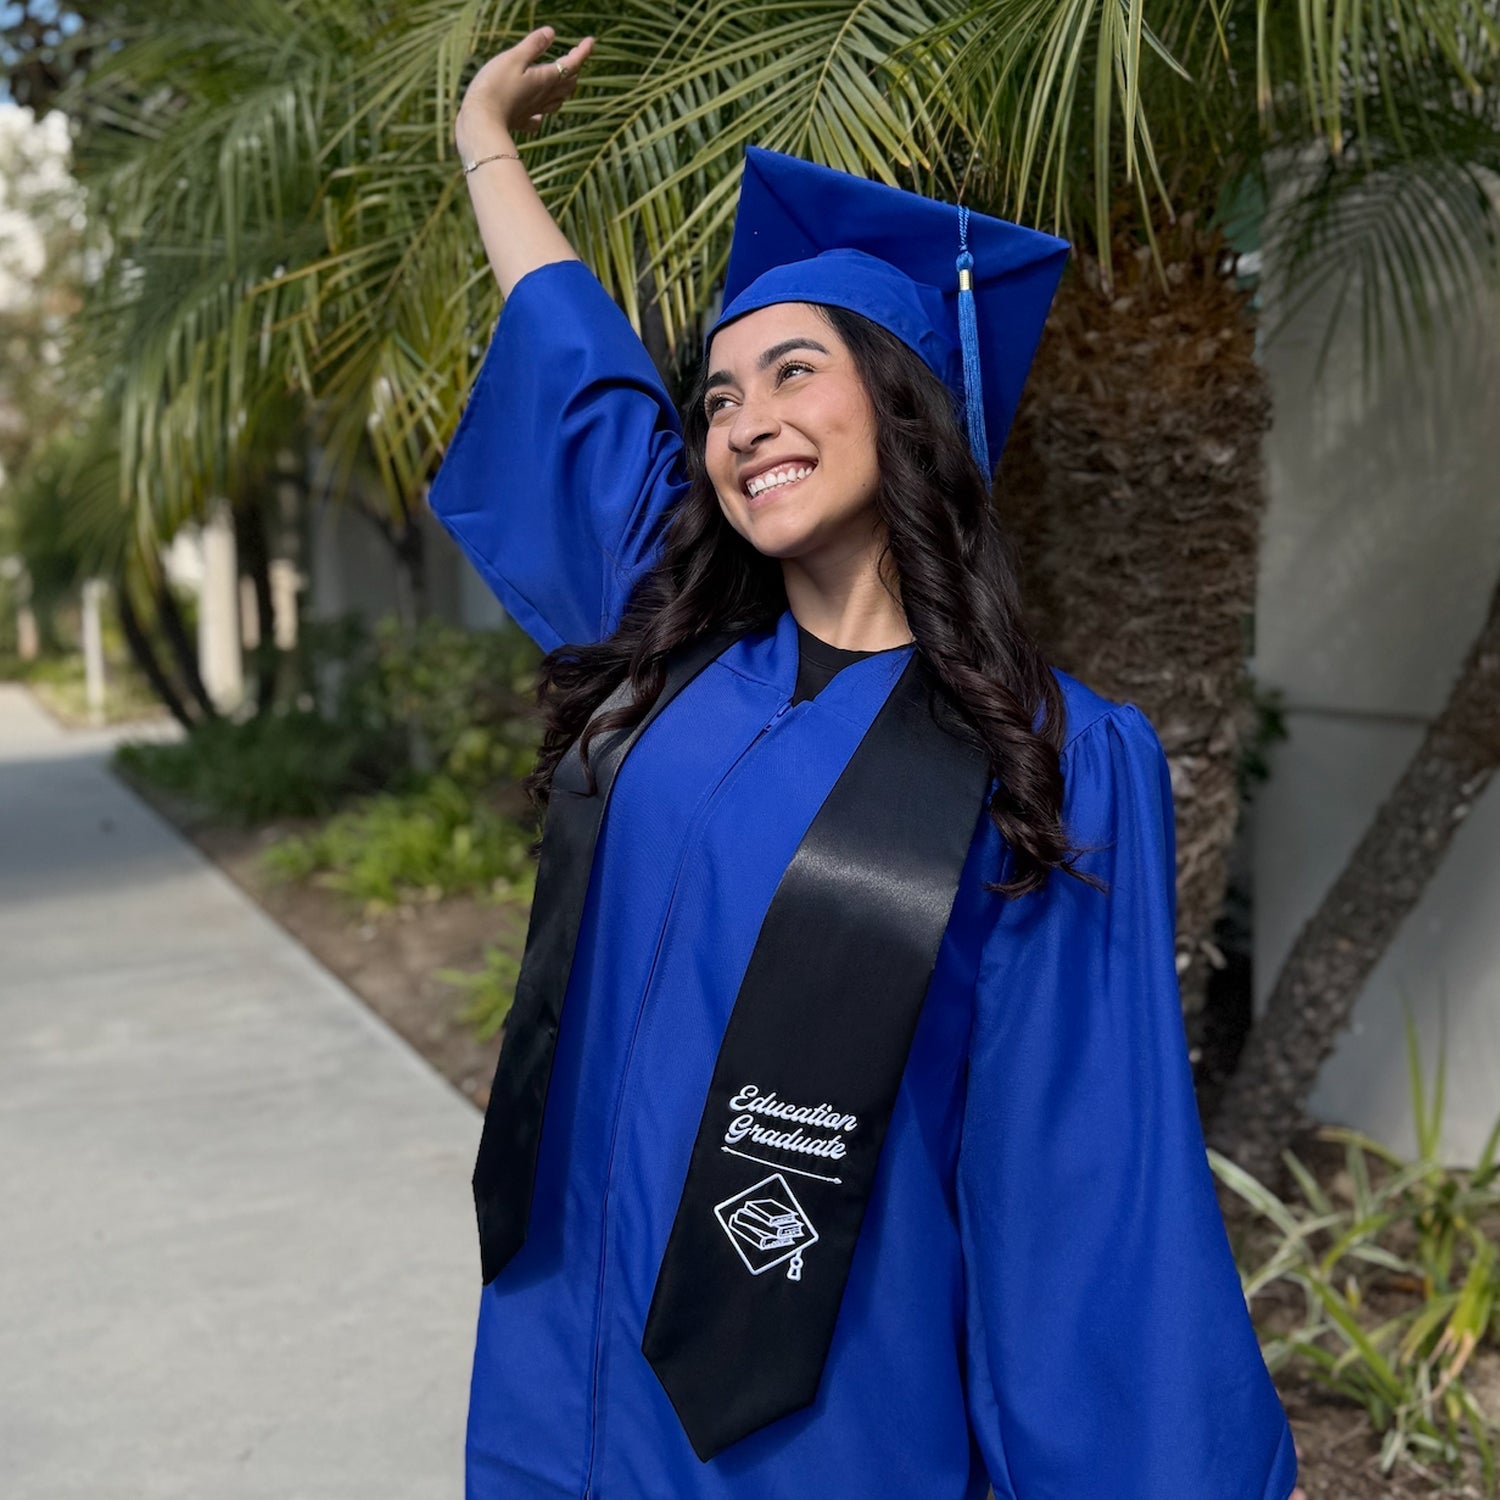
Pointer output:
807, 1074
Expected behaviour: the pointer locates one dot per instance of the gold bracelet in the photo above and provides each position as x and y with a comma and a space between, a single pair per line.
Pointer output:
507, 155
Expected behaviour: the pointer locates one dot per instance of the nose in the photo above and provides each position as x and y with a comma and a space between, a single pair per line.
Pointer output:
752, 423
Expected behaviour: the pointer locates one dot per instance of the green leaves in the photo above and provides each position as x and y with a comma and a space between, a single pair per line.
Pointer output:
491, 990
1421, 1239
286, 222
440, 839
1357, 55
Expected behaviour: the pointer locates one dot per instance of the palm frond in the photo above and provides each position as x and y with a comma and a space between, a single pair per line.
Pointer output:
1404, 241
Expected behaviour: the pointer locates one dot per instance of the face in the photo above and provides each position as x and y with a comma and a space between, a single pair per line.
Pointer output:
785, 403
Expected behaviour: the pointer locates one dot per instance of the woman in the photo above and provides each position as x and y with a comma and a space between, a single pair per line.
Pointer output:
862, 1158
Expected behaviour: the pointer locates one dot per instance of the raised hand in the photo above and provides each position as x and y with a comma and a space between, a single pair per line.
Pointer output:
515, 90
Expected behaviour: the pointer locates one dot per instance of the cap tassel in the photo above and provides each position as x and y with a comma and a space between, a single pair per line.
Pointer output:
968, 333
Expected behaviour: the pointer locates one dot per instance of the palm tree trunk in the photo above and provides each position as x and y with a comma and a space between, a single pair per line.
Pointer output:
1134, 486
410, 548
143, 653
1363, 910
174, 628
255, 561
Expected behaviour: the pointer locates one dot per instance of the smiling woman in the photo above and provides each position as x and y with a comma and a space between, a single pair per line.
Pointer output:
790, 449
960, 1231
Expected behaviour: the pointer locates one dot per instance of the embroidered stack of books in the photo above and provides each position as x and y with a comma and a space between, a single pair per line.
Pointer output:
766, 1223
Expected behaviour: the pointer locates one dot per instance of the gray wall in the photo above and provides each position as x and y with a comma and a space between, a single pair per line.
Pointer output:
353, 572
1381, 548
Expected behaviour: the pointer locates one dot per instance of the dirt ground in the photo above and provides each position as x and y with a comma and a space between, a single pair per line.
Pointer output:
1340, 1455
391, 961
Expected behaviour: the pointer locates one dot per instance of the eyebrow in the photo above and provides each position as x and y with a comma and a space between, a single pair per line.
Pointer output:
723, 377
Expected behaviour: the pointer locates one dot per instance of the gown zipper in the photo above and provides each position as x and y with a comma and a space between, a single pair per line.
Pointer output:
614, 1134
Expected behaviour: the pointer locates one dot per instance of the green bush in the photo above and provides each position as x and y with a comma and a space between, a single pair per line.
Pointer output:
461, 699
1399, 1286
371, 710
437, 840
288, 765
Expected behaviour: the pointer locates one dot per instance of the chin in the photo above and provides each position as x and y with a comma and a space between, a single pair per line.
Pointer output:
784, 535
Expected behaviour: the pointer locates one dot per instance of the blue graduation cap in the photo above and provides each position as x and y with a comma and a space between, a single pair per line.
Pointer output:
969, 293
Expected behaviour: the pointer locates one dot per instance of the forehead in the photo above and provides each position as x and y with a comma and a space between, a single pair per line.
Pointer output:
739, 344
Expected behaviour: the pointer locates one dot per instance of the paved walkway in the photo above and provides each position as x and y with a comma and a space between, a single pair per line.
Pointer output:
236, 1251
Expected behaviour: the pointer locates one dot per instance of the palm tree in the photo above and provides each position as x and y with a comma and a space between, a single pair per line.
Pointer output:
283, 185
212, 147
71, 528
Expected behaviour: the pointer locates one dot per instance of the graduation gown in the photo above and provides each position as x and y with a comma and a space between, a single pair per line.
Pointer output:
1042, 1297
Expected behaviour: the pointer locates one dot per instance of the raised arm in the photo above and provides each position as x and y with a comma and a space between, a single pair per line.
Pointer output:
568, 453
509, 94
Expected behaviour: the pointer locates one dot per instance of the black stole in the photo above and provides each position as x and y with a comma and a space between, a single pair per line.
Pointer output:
505, 1171
807, 1074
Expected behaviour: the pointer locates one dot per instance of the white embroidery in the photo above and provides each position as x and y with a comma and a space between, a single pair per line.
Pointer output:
757, 1103
752, 1102
761, 1161
767, 1226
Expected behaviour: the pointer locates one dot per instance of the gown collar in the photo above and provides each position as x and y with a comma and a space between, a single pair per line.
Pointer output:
856, 691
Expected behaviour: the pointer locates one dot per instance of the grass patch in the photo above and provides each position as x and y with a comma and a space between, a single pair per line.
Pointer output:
439, 839
61, 686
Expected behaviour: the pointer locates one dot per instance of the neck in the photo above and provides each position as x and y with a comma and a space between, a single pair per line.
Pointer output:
849, 607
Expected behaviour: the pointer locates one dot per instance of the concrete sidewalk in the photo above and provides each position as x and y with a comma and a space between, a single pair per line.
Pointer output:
238, 1257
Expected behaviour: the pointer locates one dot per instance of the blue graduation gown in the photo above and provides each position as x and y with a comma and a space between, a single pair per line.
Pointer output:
1043, 1296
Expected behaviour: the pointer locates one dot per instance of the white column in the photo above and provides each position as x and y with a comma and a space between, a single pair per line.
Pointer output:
249, 615
93, 648
28, 639
286, 582
219, 657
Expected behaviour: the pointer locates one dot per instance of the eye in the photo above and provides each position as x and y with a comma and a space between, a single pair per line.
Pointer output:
791, 364
714, 403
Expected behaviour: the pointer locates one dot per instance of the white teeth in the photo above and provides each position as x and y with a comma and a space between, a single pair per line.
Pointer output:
763, 482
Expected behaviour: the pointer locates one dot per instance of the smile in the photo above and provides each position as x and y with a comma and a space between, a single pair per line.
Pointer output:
763, 486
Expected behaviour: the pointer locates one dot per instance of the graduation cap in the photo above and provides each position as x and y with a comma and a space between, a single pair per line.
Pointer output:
967, 292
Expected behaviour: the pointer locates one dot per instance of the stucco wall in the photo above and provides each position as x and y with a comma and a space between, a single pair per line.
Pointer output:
1381, 548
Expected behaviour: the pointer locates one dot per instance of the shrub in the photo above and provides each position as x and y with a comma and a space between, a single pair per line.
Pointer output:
1399, 1287
439, 839
375, 711
288, 765
461, 698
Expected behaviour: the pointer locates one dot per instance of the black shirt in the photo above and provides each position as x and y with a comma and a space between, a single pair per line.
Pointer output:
818, 663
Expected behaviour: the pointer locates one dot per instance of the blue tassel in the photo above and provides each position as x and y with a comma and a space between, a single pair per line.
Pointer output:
968, 332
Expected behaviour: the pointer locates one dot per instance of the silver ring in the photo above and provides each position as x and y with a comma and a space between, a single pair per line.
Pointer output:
563, 72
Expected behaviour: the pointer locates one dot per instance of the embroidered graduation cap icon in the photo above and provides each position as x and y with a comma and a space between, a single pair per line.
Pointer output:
969, 293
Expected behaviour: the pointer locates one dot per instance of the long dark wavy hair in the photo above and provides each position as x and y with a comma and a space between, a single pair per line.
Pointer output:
957, 582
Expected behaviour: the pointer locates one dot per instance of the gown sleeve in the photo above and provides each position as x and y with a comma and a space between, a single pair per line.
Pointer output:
565, 460
1110, 1353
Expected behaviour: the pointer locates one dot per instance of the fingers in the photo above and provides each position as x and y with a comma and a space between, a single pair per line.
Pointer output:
578, 54
571, 61
542, 87
534, 44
